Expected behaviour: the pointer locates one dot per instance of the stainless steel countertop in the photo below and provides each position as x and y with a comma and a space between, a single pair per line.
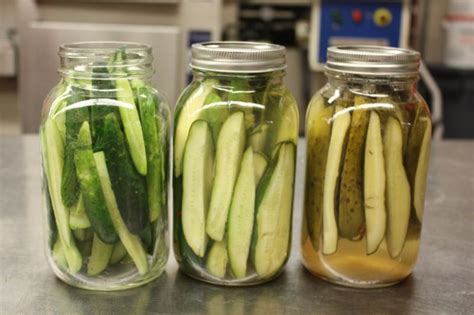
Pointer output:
442, 283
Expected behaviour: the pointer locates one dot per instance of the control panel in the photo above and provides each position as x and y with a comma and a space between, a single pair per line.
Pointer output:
356, 22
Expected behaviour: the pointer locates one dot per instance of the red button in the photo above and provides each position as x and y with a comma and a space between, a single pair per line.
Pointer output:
357, 16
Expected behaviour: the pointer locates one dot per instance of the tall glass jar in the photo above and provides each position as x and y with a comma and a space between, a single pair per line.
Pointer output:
235, 136
105, 143
368, 145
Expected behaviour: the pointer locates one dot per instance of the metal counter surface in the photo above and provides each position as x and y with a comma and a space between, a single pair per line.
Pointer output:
442, 283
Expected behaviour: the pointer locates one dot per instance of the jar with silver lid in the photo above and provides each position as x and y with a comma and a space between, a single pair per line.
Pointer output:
368, 144
235, 137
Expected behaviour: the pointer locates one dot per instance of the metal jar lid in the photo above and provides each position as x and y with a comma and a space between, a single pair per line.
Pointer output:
372, 60
238, 57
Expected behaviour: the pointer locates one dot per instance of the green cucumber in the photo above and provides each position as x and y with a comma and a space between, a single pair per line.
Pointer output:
128, 185
229, 150
74, 119
260, 164
197, 182
132, 125
53, 153
118, 253
215, 112
240, 99
94, 200
217, 259
77, 216
274, 209
58, 255
100, 256
241, 216
189, 112
131, 242
151, 134
258, 137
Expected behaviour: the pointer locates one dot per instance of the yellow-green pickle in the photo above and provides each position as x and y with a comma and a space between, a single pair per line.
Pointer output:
368, 137
235, 137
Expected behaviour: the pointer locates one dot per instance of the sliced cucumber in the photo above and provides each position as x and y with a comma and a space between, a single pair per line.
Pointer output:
260, 165
58, 254
341, 122
77, 217
230, 147
241, 216
132, 125
94, 200
197, 182
258, 137
217, 259
53, 152
100, 256
374, 185
190, 112
397, 188
274, 208
118, 253
131, 242
419, 189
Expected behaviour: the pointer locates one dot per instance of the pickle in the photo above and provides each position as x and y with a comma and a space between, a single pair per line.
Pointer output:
374, 185
341, 122
351, 196
397, 188
417, 159
318, 133
217, 259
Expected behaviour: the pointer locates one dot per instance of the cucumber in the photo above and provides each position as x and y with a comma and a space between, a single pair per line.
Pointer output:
119, 252
241, 216
74, 119
230, 147
258, 137
58, 255
77, 216
351, 195
128, 185
374, 185
240, 98
197, 184
260, 165
318, 133
131, 125
94, 200
341, 122
53, 152
151, 134
217, 259
190, 112
397, 188
274, 209
215, 112
131, 242
100, 256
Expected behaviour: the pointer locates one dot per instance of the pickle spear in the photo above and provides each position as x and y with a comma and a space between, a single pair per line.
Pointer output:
342, 120
417, 158
318, 133
351, 196
397, 189
374, 185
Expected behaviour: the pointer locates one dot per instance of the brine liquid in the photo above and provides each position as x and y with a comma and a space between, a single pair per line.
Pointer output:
349, 259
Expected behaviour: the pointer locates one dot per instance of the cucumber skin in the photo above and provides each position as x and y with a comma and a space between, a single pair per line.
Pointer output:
154, 180
129, 187
94, 200
74, 119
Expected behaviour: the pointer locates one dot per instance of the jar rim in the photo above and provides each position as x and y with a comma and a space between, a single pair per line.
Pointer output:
105, 46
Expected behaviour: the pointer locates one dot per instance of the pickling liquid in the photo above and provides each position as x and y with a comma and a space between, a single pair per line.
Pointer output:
270, 119
361, 206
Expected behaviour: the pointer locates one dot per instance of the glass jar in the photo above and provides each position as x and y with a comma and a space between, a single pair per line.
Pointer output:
105, 155
368, 143
235, 137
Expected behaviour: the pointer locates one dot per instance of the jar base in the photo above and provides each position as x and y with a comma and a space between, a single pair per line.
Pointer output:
231, 283
105, 284
356, 284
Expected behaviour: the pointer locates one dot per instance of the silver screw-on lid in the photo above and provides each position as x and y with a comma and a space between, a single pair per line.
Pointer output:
238, 57
372, 60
